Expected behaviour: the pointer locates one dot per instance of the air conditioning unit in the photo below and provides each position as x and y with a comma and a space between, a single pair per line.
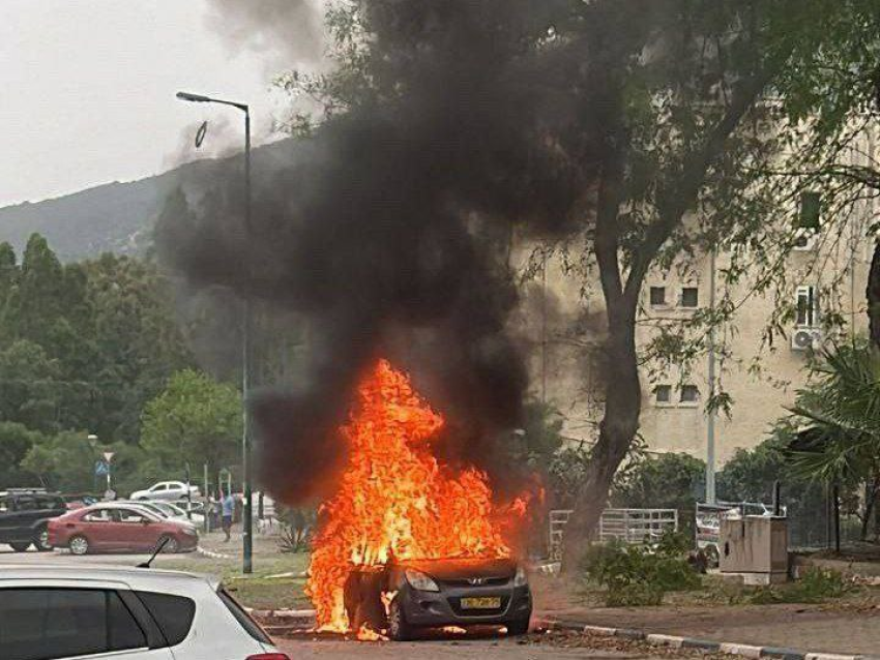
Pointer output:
805, 339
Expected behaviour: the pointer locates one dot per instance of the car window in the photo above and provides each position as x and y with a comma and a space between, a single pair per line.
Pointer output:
45, 503
45, 623
173, 614
251, 627
26, 504
159, 487
99, 515
129, 516
4, 506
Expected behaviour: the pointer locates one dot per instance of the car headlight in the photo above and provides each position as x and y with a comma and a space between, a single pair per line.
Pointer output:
419, 581
190, 531
521, 579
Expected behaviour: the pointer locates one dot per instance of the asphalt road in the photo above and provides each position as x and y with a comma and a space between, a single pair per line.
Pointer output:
483, 649
8, 556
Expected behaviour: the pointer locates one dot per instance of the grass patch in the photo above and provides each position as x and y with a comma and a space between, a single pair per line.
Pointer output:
259, 590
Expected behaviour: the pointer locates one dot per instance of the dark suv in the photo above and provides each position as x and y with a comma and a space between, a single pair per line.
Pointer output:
24, 514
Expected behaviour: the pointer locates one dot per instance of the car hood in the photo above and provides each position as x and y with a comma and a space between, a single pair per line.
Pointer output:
455, 568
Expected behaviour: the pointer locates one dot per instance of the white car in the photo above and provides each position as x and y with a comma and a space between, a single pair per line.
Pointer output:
172, 512
55, 612
166, 490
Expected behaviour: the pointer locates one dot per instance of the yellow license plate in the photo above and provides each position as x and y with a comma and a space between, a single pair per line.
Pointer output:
481, 603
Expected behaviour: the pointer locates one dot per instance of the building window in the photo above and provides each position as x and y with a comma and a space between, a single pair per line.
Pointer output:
658, 296
690, 296
810, 214
663, 395
807, 312
690, 394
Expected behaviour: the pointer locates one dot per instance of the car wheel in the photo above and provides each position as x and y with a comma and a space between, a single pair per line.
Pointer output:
79, 545
20, 547
41, 540
398, 628
518, 627
171, 544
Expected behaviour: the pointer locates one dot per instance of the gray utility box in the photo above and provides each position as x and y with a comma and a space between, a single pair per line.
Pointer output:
754, 544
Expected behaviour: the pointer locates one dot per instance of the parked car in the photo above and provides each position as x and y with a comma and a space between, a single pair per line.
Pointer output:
195, 506
109, 526
166, 490
55, 612
440, 593
24, 517
171, 511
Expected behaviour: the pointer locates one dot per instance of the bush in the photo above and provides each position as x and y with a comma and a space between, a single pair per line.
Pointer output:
815, 586
640, 574
296, 528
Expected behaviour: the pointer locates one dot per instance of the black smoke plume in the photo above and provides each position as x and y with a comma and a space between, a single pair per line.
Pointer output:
389, 229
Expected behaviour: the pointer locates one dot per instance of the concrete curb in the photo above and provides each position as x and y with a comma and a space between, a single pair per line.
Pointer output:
211, 553
730, 648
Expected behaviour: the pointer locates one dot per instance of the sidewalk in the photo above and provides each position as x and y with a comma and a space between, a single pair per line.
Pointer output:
812, 628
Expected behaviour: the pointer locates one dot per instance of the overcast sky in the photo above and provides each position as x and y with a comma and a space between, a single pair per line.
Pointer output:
87, 90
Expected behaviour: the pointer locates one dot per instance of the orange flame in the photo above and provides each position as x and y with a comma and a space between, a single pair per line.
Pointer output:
395, 500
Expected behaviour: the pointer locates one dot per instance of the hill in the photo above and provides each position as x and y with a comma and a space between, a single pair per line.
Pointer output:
114, 217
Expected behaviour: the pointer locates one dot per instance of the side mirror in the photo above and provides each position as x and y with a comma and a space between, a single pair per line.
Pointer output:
146, 521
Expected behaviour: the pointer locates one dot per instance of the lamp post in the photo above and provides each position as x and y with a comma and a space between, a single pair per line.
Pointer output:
247, 522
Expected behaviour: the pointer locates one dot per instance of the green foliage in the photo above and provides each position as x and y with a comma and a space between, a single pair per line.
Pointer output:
816, 585
533, 448
84, 346
640, 574
16, 440
195, 420
841, 409
664, 481
296, 528
567, 472
66, 462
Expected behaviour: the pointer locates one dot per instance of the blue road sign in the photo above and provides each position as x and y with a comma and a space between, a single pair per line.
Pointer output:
102, 468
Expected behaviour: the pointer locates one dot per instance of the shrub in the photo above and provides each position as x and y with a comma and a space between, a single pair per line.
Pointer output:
640, 574
815, 586
296, 528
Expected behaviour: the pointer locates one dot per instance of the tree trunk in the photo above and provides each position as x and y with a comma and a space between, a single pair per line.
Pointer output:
616, 432
873, 297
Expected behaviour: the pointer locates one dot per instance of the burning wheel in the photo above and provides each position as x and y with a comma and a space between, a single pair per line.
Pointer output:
398, 628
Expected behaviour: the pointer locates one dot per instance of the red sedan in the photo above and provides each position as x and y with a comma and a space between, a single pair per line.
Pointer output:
113, 527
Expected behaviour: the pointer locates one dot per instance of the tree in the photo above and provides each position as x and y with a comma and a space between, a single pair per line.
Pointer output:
195, 420
31, 391
16, 440
839, 420
665, 481
66, 462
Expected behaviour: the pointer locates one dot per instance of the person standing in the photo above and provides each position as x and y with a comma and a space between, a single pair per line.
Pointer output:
228, 510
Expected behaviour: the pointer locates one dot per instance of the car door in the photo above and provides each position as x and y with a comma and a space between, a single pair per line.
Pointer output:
138, 531
6, 519
55, 621
97, 526
24, 515
159, 491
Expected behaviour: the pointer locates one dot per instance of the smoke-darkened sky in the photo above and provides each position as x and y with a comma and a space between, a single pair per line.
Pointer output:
88, 86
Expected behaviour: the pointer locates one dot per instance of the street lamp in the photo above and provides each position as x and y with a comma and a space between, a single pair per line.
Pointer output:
248, 521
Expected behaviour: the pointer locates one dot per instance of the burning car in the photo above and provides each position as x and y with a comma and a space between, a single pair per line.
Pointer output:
407, 541
404, 597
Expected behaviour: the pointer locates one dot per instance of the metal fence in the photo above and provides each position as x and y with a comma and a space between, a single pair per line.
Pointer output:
627, 525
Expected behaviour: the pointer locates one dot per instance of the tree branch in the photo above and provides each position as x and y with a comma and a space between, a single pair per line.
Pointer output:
674, 202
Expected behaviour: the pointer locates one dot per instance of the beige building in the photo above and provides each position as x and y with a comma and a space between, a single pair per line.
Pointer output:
826, 274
